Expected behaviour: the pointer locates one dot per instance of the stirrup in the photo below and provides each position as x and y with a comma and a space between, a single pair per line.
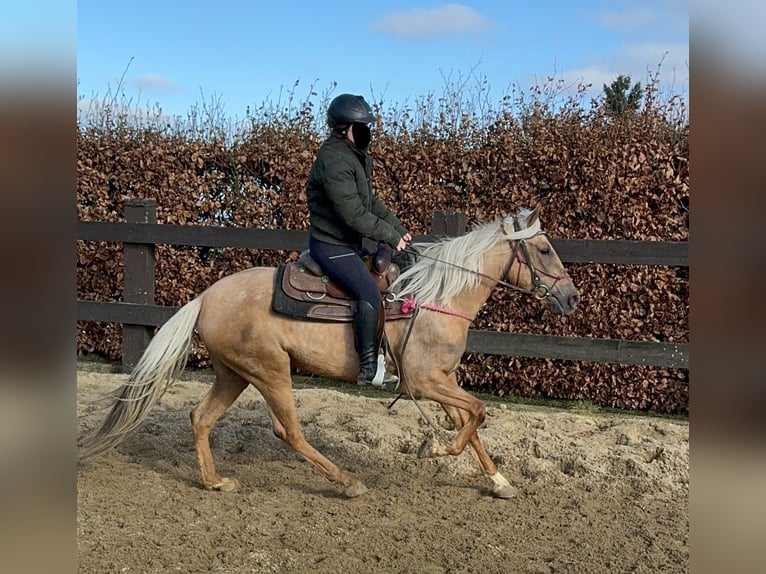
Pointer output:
382, 377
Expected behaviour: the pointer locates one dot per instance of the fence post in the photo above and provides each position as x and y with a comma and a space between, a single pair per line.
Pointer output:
447, 223
139, 281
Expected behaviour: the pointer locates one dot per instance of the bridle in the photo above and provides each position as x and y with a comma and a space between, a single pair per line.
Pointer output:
520, 252
539, 289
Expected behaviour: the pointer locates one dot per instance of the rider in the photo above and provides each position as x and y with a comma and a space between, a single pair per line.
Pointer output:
342, 210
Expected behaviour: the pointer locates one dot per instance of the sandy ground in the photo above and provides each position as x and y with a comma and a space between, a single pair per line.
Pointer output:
597, 492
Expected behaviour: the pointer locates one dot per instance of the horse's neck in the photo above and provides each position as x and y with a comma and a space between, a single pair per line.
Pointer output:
471, 300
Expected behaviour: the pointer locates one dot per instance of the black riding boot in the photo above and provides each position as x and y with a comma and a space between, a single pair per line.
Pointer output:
365, 335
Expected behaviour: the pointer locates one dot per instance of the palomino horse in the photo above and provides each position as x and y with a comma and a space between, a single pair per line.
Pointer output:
251, 345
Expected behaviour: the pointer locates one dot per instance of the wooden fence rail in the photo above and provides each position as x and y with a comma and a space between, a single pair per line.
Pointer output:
138, 313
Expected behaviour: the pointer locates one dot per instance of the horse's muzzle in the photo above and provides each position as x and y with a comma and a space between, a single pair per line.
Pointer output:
564, 303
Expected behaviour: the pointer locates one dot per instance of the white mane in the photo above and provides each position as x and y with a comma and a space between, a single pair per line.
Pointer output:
438, 282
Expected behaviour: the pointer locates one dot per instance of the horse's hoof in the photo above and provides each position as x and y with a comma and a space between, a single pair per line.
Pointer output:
226, 485
355, 489
504, 491
430, 448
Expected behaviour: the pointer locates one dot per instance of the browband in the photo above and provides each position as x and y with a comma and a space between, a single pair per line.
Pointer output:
527, 233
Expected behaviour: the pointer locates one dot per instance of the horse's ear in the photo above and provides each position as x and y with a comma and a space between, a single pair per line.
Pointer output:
532, 217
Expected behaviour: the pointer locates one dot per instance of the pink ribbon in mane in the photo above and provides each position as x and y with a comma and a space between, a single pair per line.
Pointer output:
410, 305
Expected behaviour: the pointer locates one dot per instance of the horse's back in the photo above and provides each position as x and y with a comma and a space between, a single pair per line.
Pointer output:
233, 304
248, 285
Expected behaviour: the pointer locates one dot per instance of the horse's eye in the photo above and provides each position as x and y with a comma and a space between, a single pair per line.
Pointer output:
545, 251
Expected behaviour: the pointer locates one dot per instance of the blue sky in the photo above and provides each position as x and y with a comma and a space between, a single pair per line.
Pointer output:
243, 53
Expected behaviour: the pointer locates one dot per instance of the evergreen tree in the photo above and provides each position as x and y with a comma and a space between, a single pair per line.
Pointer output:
619, 100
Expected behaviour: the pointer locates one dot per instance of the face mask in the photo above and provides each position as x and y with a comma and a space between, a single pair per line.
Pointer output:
362, 135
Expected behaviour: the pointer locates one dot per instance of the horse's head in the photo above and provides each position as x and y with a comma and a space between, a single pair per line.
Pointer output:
535, 266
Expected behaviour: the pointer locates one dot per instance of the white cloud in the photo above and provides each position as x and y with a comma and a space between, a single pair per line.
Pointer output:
96, 108
666, 60
595, 75
421, 23
649, 55
638, 61
155, 82
626, 21
673, 13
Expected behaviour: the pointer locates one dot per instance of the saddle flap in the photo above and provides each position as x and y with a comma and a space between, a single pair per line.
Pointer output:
302, 279
299, 282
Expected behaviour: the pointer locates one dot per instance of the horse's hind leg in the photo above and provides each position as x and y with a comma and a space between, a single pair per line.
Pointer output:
227, 387
276, 388
285, 419
501, 488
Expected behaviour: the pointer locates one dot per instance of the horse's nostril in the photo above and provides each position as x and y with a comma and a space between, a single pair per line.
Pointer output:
574, 300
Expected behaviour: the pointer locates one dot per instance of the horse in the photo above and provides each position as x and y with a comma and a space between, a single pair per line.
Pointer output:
249, 344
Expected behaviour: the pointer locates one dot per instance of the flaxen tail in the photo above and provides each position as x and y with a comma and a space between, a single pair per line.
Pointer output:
157, 369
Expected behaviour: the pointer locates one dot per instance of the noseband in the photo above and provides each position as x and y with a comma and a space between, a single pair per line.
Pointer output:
539, 289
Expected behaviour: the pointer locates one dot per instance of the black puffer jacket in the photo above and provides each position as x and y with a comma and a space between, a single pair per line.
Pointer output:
342, 207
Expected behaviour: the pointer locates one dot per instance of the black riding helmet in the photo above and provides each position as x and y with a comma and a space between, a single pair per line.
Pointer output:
347, 109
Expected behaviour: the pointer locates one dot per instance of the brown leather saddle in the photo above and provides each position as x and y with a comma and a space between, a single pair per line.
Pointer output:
302, 290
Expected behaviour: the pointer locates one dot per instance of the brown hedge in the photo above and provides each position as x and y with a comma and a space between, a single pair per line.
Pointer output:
598, 177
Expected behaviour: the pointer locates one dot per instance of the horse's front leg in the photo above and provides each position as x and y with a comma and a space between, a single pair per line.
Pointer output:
501, 487
443, 389
467, 412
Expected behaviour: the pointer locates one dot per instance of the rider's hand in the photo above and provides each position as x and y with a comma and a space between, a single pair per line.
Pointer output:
407, 237
402, 243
